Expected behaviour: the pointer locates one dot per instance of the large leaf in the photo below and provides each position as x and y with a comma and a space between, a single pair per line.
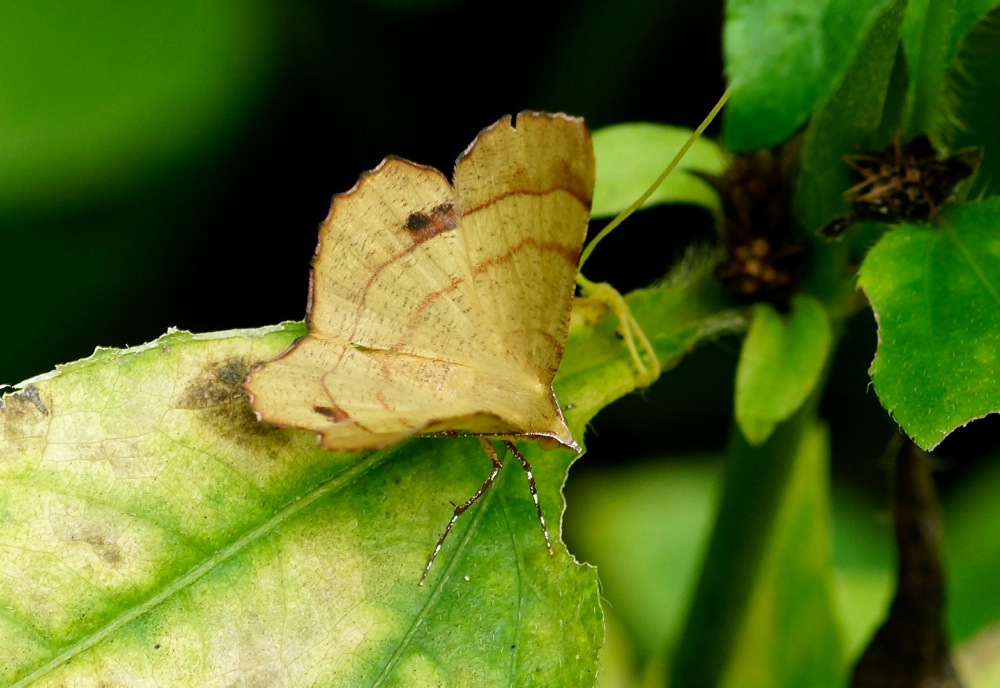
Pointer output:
790, 613
848, 117
936, 295
973, 97
646, 526
784, 58
971, 516
152, 530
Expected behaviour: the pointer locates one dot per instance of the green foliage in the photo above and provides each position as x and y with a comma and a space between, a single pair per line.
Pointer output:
932, 289
784, 58
160, 511
630, 156
936, 294
782, 359
845, 120
152, 531
172, 536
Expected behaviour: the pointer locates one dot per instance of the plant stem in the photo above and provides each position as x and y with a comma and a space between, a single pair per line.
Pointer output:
753, 491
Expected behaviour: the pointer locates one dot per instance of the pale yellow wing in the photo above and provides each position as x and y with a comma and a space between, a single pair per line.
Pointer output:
389, 261
373, 399
524, 242
408, 317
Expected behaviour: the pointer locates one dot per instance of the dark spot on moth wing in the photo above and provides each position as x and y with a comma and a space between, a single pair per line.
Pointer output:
423, 226
417, 222
218, 393
334, 413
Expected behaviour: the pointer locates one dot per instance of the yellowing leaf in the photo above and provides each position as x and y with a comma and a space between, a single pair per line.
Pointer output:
152, 532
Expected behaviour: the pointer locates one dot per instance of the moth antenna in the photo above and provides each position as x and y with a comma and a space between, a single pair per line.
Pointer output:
623, 215
464, 506
644, 358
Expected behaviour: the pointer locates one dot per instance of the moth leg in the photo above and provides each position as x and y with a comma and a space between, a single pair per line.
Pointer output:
534, 492
464, 506
644, 358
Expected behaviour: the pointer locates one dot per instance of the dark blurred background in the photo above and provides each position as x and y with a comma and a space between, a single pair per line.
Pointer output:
167, 164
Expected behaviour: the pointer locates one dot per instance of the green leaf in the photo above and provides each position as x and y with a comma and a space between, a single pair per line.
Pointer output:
666, 508
928, 36
932, 33
973, 97
153, 530
936, 296
631, 156
646, 525
689, 306
970, 13
784, 58
846, 118
865, 562
971, 518
781, 362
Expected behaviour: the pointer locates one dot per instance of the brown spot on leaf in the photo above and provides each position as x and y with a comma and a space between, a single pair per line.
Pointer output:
222, 383
219, 394
104, 548
24, 416
28, 400
109, 552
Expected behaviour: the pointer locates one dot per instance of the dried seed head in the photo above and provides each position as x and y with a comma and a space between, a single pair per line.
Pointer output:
763, 254
906, 182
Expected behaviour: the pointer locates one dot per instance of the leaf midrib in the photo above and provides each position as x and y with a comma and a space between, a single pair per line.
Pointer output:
336, 483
